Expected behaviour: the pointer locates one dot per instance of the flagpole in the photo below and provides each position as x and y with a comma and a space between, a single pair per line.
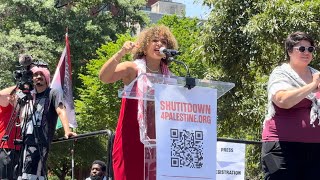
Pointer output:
62, 80
72, 160
72, 149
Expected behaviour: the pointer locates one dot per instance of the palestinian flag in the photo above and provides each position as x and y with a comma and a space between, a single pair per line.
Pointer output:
62, 79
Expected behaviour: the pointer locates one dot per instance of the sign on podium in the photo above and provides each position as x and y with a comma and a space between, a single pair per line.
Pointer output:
177, 125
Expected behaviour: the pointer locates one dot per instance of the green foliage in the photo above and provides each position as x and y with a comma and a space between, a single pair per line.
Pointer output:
279, 19
235, 58
230, 51
187, 32
85, 152
38, 28
98, 104
14, 43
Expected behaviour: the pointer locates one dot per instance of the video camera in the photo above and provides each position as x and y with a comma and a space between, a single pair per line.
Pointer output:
23, 75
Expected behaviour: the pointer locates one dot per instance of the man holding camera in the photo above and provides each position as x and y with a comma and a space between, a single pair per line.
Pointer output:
38, 125
9, 153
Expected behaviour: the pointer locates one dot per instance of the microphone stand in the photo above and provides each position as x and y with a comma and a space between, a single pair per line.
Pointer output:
190, 81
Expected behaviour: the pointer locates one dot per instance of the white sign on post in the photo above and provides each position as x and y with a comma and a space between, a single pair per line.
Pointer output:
230, 161
185, 132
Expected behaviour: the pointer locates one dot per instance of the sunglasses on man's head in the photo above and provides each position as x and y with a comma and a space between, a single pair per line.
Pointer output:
303, 48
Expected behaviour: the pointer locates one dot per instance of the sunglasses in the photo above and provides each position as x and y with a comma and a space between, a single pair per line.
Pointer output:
303, 48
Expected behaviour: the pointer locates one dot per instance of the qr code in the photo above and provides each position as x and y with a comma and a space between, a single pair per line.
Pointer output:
186, 148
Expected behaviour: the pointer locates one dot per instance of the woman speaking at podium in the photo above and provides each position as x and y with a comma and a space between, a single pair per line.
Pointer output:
128, 151
291, 132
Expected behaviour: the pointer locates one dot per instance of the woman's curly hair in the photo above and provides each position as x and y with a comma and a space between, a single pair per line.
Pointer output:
147, 35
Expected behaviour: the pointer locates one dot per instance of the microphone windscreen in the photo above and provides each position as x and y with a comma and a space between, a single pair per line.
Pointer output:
162, 50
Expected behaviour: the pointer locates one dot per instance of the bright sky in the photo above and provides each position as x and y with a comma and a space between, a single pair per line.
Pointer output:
194, 8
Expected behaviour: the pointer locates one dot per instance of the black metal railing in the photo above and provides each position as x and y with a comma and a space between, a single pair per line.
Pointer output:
110, 134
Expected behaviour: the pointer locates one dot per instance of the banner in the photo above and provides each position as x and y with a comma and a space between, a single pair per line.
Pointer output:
185, 132
230, 161
62, 80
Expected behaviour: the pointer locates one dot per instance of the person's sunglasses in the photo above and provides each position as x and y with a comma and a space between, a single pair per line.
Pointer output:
303, 48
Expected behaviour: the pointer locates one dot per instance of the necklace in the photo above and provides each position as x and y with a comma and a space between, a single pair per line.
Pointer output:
152, 70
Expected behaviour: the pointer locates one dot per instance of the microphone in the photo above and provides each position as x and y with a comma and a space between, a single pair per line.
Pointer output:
170, 52
25, 60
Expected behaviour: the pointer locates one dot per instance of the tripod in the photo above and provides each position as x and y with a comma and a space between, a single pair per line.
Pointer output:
33, 147
34, 139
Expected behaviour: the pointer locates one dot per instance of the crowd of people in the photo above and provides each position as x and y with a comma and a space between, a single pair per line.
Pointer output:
293, 107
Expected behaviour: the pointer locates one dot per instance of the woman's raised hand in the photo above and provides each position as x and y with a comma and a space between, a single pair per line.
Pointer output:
128, 46
316, 80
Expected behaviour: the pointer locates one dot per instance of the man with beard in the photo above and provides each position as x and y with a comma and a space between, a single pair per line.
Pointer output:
98, 171
38, 126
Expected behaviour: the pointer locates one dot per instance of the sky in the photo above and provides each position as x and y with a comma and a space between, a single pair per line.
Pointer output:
195, 9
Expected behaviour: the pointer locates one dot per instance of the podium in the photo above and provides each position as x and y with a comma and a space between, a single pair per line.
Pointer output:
142, 89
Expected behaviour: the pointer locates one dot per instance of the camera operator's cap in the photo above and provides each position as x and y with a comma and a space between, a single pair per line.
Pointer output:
44, 71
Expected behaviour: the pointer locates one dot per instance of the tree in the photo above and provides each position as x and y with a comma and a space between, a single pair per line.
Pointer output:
12, 44
229, 50
187, 32
89, 24
98, 104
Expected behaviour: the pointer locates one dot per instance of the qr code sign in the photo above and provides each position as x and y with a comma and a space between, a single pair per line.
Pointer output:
186, 148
